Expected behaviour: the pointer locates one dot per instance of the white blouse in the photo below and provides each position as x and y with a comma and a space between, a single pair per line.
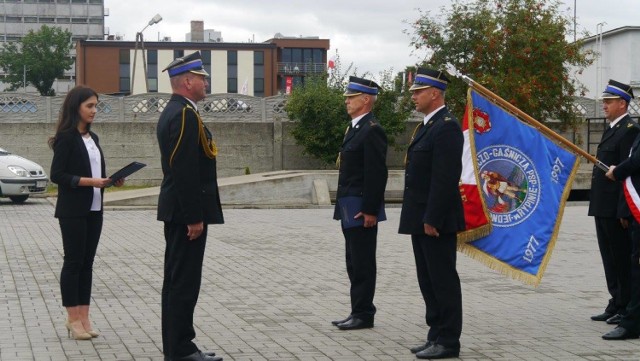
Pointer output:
96, 170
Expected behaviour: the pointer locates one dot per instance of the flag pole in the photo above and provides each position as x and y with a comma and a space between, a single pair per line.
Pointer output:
526, 117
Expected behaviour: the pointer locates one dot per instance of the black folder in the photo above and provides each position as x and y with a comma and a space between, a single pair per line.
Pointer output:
126, 171
350, 206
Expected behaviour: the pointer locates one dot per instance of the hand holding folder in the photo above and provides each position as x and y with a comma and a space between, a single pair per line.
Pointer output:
350, 206
126, 171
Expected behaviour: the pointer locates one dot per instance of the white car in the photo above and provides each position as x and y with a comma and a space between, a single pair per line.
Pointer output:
20, 177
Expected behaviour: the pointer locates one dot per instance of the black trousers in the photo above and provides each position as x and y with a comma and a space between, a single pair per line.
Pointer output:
440, 286
80, 237
631, 321
360, 254
615, 249
180, 289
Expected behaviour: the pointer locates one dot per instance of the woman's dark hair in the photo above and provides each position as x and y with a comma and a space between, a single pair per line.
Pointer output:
69, 111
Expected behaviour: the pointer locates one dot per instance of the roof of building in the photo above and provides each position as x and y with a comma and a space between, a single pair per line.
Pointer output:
622, 29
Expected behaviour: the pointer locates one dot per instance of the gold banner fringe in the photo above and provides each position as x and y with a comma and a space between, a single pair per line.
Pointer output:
474, 234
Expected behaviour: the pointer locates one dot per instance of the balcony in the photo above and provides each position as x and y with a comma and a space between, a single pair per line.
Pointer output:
293, 68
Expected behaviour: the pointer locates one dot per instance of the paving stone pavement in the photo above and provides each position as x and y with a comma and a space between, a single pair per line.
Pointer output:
272, 282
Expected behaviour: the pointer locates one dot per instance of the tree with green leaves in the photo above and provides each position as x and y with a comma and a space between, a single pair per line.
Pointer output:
43, 54
516, 48
320, 116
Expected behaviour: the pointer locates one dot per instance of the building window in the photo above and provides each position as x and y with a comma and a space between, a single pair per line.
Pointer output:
258, 58
286, 56
125, 71
232, 71
206, 64
232, 57
318, 56
152, 70
63, 20
296, 55
178, 54
30, 19
95, 1
13, 19
46, 20
95, 20
78, 20
232, 85
258, 73
258, 87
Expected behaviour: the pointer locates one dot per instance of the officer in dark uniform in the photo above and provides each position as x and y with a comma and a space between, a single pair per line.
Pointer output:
363, 178
607, 202
432, 213
188, 202
629, 172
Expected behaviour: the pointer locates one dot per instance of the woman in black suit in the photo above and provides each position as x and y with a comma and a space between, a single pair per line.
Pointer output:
79, 171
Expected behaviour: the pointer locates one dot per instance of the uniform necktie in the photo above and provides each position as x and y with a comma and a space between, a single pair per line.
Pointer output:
415, 131
340, 153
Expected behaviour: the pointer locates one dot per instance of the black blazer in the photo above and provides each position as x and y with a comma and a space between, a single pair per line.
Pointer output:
189, 190
363, 168
432, 176
70, 162
606, 196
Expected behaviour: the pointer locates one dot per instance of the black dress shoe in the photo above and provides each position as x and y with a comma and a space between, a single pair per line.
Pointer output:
212, 355
336, 323
602, 317
437, 351
199, 356
619, 333
355, 324
615, 319
424, 346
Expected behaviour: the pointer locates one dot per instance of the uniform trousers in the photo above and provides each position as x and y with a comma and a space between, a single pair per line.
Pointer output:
80, 236
360, 252
615, 249
183, 260
440, 286
631, 321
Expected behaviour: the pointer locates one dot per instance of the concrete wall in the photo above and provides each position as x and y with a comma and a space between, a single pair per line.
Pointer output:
256, 138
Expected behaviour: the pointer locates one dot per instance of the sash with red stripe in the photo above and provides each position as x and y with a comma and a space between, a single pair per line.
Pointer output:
631, 195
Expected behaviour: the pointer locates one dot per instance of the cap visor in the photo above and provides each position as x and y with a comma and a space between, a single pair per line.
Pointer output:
609, 96
351, 93
419, 86
199, 72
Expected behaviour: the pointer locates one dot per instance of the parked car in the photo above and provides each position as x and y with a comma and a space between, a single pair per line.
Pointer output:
20, 177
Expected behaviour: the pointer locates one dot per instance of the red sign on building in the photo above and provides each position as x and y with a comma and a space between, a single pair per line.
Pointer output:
289, 85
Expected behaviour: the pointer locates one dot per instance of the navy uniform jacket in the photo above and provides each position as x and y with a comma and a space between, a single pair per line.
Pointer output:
432, 176
189, 190
71, 162
606, 197
630, 167
363, 168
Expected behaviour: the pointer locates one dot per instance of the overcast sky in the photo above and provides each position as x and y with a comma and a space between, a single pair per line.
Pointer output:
367, 33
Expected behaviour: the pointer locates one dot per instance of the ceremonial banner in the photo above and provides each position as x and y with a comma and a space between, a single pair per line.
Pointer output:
524, 179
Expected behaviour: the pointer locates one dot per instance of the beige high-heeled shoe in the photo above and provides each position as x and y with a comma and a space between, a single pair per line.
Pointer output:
77, 331
93, 333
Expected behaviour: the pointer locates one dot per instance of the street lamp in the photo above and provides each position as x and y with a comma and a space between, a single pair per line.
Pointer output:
140, 41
